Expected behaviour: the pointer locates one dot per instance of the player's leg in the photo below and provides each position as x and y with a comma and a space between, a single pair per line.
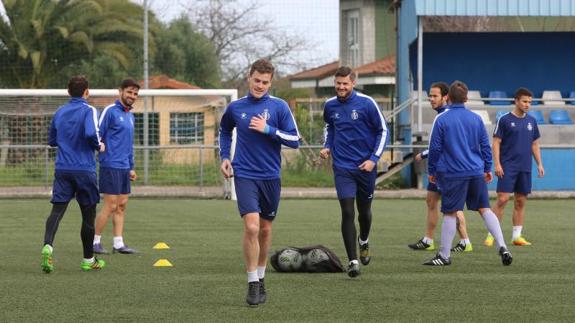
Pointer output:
478, 200
88, 197
62, 193
522, 189
109, 208
464, 242
346, 188
118, 221
432, 202
505, 186
364, 198
270, 191
248, 206
454, 192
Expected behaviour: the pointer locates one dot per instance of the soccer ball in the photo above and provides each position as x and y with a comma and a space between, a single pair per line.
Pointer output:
314, 257
290, 260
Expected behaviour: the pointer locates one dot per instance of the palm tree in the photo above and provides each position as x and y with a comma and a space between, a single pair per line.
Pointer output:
40, 38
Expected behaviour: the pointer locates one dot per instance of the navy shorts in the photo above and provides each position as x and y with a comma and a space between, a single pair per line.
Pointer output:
354, 183
433, 188
456, 192
514, 182
258, 196
79, 184
114, 181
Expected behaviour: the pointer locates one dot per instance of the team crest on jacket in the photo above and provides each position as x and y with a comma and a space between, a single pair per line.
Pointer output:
266, 114
121, 119
529, 126
354, 115
336, 115
244, 115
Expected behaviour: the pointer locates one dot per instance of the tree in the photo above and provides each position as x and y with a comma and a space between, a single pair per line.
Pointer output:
39, 39
187, 55
240, 37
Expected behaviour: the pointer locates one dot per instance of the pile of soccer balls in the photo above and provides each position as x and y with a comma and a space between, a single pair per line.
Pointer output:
310, 259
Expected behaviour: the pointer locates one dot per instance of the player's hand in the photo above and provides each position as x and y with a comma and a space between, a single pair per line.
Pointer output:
102, 147
418, 157
133, 175
258, 123
226, 168
488, 177
367, 165
540, 171
431, 179
324, 153
499, 171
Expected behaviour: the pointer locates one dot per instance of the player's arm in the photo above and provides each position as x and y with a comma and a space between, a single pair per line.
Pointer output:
422, 155
227, 125
328, 133
485, 149
286, 132
53, 134
91, 130
379, 126
435, 149
496, 156
536, 150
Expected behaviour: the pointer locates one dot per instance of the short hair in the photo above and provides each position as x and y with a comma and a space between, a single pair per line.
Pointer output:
522, 92
458, 92
77, 85
345, 71
262, 66
442, 86
129, 83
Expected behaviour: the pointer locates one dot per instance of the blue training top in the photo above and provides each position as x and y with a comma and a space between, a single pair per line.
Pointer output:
74, 130
355, 130
257, 155
459, 145
117, 131
517, 135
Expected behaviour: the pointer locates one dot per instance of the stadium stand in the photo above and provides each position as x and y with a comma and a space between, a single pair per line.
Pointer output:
500, 114
572, 96
559, 117
538, 115
474, 98
553, 98
484, 116
498, 95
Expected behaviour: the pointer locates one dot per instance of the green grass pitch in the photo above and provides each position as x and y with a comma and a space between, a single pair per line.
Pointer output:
207, 282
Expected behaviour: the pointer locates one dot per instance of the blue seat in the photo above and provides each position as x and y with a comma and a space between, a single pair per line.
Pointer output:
500, 114
538, 115
571, 96
498, 95
559, 117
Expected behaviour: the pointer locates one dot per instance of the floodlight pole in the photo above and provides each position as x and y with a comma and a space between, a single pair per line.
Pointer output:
146, 85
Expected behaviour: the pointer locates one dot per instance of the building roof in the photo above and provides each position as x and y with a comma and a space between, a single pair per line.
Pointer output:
316, 72
540, 8
384, 66
163, 81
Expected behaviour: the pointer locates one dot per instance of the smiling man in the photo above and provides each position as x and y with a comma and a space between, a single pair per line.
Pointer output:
355, 136
117, 165
263, 124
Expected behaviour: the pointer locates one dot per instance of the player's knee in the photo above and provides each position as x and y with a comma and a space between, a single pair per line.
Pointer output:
520, 202
265, 231
502, 200
252, 229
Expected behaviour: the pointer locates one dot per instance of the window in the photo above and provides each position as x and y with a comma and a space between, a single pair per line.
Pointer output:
352, 26
153, 128
186, 128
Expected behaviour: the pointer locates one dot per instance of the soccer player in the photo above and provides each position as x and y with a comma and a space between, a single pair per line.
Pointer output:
515, 139
460, 165
74, 130
263, 124
117, 165
438, 99
355, 136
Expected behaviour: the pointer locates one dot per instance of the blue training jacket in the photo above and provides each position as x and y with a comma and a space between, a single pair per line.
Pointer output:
117, 131
74, 130
355, 130
257, 155
425, 153
459, 144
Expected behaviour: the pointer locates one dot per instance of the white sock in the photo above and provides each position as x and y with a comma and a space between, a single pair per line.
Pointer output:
361, 242
261, 272
89, 260
97, 238
253, 276
354, 262
118, 242
428, 240
465, 241
517, 231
